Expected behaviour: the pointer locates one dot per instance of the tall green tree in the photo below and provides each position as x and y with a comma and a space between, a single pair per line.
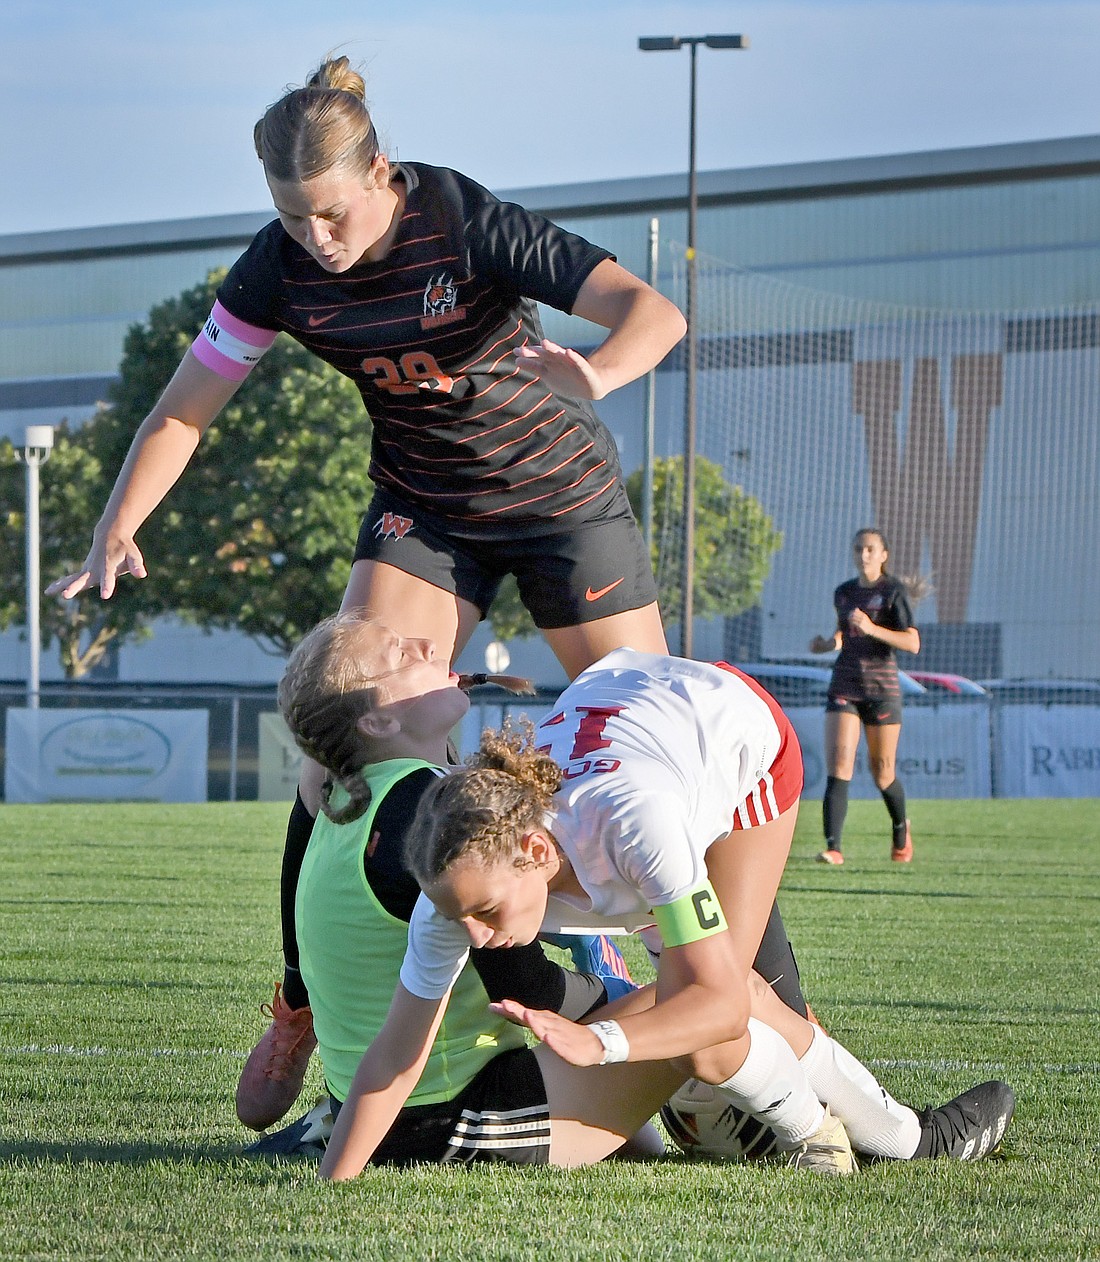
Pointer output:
258, 534
735, 539
734, 544
259, 531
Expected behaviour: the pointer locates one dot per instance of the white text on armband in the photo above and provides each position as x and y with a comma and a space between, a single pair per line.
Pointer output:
230, 354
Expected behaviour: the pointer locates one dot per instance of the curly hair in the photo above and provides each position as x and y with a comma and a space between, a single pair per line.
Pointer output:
323, 125
324, 690
502, 792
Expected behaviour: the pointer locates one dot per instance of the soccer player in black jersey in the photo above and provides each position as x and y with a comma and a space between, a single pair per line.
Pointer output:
874, 619
486, 455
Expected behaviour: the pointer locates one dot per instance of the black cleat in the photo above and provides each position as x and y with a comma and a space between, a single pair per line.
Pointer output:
307, 1137
970, 1126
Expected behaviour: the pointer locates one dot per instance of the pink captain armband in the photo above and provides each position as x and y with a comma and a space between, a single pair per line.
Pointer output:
230, 347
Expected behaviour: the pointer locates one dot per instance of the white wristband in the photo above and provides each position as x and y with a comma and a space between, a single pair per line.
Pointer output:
615, 1045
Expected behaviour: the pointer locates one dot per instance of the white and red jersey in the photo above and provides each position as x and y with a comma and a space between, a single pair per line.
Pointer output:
661, 758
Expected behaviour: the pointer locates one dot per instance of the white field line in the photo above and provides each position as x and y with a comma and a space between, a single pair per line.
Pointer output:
185, 1053
985, 1067
122, 1053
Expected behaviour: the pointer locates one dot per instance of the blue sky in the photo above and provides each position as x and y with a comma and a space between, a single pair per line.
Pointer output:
117, 111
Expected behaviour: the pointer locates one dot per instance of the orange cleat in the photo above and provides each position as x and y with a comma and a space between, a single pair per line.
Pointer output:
904, 854
831, 856
272, 1077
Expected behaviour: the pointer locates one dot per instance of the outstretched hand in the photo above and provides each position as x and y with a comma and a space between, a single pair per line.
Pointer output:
564, 370
102, 567
572, 1042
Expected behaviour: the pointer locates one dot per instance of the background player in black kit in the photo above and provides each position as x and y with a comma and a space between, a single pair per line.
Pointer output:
874, 618
486, 455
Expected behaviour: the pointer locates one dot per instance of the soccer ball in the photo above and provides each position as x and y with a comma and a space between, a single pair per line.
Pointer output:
705, 1124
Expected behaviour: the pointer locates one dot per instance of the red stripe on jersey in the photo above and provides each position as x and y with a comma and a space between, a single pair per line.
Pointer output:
781, 786
413, 429
506, 509
539, 476
443, 461
536, 499
443, 260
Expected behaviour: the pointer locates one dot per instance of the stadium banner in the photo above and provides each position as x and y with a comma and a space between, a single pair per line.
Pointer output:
88, 755
280, 760
1048, 751
944, 753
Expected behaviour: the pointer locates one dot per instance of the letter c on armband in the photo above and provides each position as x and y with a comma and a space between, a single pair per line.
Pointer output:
691, 917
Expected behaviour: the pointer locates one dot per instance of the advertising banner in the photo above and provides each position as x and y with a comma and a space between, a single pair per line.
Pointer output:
943, 753
280, 760
89, 755
1048, 751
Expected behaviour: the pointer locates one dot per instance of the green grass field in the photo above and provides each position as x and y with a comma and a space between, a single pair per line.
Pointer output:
138, 942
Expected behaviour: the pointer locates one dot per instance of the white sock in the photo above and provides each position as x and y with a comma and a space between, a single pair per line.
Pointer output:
876, 1123
772, 1086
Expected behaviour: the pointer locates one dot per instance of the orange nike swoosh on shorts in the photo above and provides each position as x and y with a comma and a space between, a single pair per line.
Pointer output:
591, 595
316, 321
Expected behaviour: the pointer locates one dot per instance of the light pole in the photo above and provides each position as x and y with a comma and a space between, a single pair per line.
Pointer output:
37, 445
661, 44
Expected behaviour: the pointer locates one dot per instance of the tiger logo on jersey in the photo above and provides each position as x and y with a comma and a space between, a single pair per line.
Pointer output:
441, 301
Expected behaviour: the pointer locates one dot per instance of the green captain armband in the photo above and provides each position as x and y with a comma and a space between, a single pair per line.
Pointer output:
694, 916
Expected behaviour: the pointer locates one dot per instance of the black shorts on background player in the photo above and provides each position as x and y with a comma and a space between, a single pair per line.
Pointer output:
867, 669
871, 712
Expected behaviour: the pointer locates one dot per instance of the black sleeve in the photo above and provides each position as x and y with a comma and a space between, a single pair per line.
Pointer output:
838, 596
902, 608
527, 975
298, 831
384, 859
775, 962
249, 290
523, 250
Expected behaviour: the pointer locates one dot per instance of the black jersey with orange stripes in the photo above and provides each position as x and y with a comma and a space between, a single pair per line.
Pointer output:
427, 335
866, 667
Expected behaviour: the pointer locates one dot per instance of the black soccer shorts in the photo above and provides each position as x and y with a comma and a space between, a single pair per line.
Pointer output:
500, 1115
597, 569
872, 711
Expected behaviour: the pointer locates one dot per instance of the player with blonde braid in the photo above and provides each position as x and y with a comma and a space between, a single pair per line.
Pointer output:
659, 792
487, 456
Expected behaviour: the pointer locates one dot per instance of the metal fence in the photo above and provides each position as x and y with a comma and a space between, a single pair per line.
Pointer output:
1042, 737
